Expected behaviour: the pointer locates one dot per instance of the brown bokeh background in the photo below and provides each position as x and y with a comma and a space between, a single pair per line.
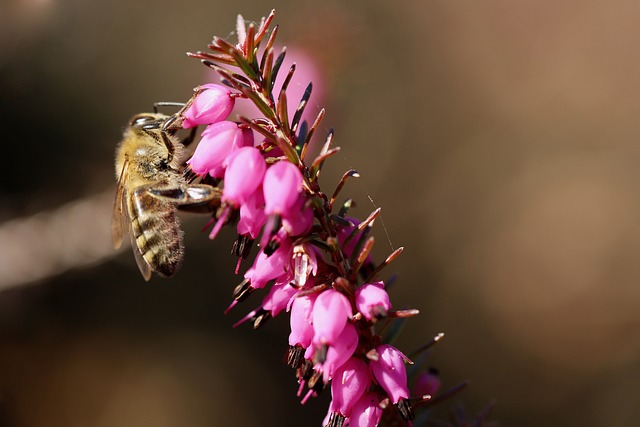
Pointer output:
499, 137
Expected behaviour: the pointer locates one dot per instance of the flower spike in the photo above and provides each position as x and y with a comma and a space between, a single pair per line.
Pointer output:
314, 264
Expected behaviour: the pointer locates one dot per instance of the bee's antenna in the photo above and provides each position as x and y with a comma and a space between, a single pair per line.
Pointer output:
157, 105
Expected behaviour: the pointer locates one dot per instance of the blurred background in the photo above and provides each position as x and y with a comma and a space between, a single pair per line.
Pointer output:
500, 138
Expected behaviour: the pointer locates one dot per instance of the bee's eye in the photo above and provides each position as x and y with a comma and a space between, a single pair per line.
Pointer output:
139, 121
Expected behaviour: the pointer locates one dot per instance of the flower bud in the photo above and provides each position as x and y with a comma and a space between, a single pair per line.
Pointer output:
331, 312
301, 327
211, 105
266, 268
350, 382
252, 216
372, 300
218, 141
282, 184
366, 412
243, 175
278, 297
299, 219
340, 351
390, 372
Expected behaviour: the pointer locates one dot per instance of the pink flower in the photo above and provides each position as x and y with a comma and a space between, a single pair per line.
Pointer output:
279, 297
340, 351
372, 300
350, 382
331, 312
390, 372
243, 176
282, 184
301, 326
366, 412
213, 104
299, 219
276, 300
252, 216
218, 141
267, 268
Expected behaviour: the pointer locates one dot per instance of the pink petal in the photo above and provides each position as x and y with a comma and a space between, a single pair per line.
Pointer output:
301, 327
243, 175
390, 372
282, 184
331, 312
278, 297
299, 219
340, 351
370, 298
252, 216
210, 106
366, 412
349, 383
266, 268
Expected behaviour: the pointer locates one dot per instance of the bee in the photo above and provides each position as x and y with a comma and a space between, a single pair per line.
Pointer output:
151, 187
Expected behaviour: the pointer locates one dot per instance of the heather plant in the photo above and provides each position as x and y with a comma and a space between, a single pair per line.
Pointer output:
312, 259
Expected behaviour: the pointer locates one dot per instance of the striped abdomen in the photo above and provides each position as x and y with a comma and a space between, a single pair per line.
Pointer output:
156, 230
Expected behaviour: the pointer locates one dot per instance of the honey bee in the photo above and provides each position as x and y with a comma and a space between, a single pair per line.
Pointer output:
151, 187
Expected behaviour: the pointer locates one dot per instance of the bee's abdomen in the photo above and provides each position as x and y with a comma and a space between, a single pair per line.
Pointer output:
157, 233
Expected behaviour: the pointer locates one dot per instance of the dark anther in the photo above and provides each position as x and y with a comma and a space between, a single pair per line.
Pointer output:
336, 420
295, 356
242, 291
404, 406
305, 370
242, 246
261, 318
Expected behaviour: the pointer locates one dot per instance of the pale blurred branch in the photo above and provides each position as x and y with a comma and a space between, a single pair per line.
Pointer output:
74, 235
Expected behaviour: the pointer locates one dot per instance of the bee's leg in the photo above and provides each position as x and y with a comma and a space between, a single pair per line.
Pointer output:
199, 198
169, 144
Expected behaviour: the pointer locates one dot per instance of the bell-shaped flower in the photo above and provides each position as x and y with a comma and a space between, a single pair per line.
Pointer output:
390, 372
427, 383
372, 300
266, 268
252, 216
282, 184
350, 382
273, 303
243, 176
211, 105
299, 219
301, 326
339, 352
366, 412
331, 312
279, 296
218, 141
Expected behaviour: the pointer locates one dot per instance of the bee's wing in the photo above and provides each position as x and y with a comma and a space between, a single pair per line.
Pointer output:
120, 217
143, 265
